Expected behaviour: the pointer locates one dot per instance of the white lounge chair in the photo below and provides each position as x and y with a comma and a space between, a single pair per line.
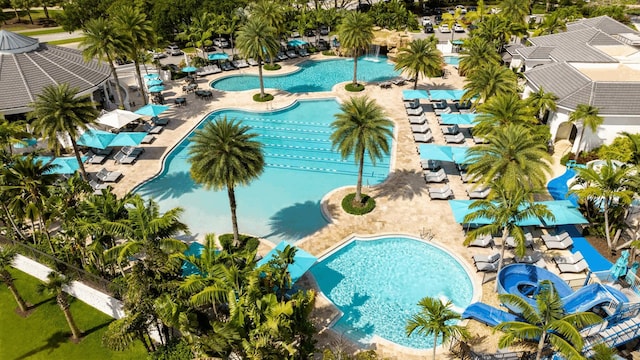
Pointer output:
558, 237
487, 267
418, 120
578, 267
292, 54
479, 193
443, 193
559, 245
97, 187
423, 138
569, 259
483, 241
486, 258
421, 129
412, 104
415, 112
466, 177
105, 175
450, 130
528, 241
435, 176
252, 62
96, 159
442, 111
454, 139
529, 259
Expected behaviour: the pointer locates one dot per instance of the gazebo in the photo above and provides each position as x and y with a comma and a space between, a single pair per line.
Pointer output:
27, 66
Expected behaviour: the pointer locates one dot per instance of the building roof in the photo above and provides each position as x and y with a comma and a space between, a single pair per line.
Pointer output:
603, 23
609, 97
535, 52
561, 79
24, 73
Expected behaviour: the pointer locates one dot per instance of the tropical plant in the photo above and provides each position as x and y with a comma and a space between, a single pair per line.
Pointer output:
546, 322
506, 208
12, 133
488, 81
634, 140
421, 57
7, 256
551, 24
224, 154
502, 110
270, 14
494, 29
608, 185
542, 102
56, 283
101, 40
452, 19
476, 53
59, 110
256, 40
198, 32
361, 127
355, 33
590, 119
515, 11
437, 318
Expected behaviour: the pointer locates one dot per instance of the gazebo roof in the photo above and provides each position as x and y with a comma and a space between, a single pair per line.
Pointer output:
27, 66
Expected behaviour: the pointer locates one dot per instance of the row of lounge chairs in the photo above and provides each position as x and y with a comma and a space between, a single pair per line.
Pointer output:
489, 263
418, 120
128, 155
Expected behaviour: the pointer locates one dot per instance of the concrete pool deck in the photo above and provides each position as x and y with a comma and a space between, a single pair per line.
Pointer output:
403, 203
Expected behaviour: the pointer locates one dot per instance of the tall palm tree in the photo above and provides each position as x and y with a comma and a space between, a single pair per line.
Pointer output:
59, 110
55, 284
546, 323
132, 24
7, 255
506, 207
421, 57
476, 53
551, 24
12, 133
271, 13
361, 127
589, 117
436, 317
541, 102
452, 19
355, 33
515, 11
488, 81
502, 110
198, 32
512, 154
101, 40
495, 30
224, 154
257, 39
610, 183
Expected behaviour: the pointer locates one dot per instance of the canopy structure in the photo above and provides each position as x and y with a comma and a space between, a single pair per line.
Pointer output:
189, 69
296, 42
414, 94
458, 119
302, 260
128, 139
564, 212
152, 110
457, 154
98, 139
156, 89
64, 165
460, 209
217, 56
117, 118
445, 94
151, 76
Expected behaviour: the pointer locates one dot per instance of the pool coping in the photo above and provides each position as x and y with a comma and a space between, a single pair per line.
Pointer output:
375, 339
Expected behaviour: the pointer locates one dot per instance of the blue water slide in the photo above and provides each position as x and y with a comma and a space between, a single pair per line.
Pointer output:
590, 296
488, 314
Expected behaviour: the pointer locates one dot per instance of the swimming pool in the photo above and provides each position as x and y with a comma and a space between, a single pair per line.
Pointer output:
452, 60
313, 76
377, 284
284, 203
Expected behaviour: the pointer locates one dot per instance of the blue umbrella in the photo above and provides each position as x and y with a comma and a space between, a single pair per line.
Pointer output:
154, 82
25, 143
217, 56
564, 212
436, 152
151, 76
414, 94
128, 139
189, 69
446, 94
152, 110
619, 269
460, 154
98, 139
457, 119
63, 165
302, 260
156, 89
296, 42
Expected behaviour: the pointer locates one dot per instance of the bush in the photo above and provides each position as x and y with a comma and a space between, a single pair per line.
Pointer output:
267, 97
354, 87
620, 149
273, 67
172, 351
367, 204
246, 242
328, 53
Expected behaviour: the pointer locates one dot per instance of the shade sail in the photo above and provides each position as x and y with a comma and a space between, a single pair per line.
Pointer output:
218, 56
302, 261
446, 94
156, 89
460, 209
117, 118
414, 94
128, 139
565, 213
98, 139
152, 110
64, 165
435, 152
457, 119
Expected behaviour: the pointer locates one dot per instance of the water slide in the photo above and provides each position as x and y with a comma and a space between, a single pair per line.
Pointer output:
488, 314
590, 296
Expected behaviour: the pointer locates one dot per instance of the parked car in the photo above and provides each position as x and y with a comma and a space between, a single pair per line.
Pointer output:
463, 10
221, 42
157, 55
426, 20
295, 34
437, 19
458, 28
209, 48
428, 28
309, 33
444, 28
324, 30
173, 50
123, 60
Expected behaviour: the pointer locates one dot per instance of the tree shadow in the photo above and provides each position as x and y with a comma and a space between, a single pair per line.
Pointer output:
53, 342
402, 184
297, 221
96, 328
43, 301
171, 185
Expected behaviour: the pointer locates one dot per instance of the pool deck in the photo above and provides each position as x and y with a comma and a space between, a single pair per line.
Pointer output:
403, 203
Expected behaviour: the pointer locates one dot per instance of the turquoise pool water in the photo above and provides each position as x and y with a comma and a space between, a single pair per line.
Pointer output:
452, 60
313, 76
284, 203
378, 283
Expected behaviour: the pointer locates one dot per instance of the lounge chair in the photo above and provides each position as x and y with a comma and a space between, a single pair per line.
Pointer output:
578, 267
487, 267
435, 176
214, 69
415, 112
440, 105
433, 165
292, 54
133, 151
529, 259
105, 175
385, 85
486, 258
464, 105
443, 111
467, 177
159, 121
443, 193
559, 245
152, 129
417, 120
399, 81
479, 193
227, 66
282, 56
558, 237
97, 187
96, 159
450, 130
106, 151
303, 52
454, 139
479, 140
569, 259
423, 138
421, 129
148, 139
412, 104
483, 241
252, 62
240, 64
122, 158
528, 241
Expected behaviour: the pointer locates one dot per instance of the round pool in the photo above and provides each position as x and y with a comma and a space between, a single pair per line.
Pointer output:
377, 284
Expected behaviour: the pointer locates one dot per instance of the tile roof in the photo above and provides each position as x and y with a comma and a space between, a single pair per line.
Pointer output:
535, 52
602, 23
561, 79
11, 42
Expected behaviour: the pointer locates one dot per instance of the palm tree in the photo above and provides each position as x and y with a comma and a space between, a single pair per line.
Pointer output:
590, 119
59, 110
224, 154
7, 255
512, 154
257, 39
515, 11
271, 14
542, 102
506, 207
436, 317
488, 81
502, 110
355, 33
101, 40
495, 30
634, 142
476, 53
452, 19
608, 183
546, 323
133, 25
551, 24
421, 57
198, 32
12, 133
361, 126
55, 285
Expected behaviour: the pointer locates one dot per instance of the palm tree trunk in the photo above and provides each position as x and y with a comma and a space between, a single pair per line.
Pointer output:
355, 67
415, 82
606, 225
114, 73
46, 12
435, 342
139, 76
13, 224
75, 332
260, 77
16, 295
358, 198
234, 220
83, 172
29, 14
505, 235
575, 158
541, 345
33, 232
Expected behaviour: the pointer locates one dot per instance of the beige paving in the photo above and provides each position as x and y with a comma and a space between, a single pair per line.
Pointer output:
403, 204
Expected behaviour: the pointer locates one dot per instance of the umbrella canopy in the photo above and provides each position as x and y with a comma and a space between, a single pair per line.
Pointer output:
440, 94
128, 139
64, 165
217, 56
189, 69
98, 139
565, 213
117, 118
302, 261
619, 269
457, 119
460, 154
435, 152
414, 94
154, 82
156, 89
460, 209
152, 110
25, 143
296, 42
151, 76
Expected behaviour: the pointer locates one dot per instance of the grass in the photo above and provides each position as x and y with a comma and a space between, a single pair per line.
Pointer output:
367, 204
44, 334
65, 41
55, 30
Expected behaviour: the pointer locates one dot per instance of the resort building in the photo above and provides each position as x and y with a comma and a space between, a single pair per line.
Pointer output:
595, 62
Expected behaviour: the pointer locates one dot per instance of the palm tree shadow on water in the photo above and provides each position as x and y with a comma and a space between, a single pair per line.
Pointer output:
353, 315
171, 185
297, 221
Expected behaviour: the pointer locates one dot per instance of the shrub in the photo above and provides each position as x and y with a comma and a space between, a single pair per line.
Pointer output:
367, 204
328, 53
620, 149
354, 87
246, 242
172, 351
273, 67
267, 97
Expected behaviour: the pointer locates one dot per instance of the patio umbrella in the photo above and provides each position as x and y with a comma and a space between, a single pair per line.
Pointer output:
460, 209
156, 89
154, 82
457, 119
189, 69
26, 143
152, 110
302, 261
435, 152
459, 154
128, 139
565, 213
64, 165
619, 269
296, 43
217, 56
446, 94
98, 139
117, 118
414, 94
151, 76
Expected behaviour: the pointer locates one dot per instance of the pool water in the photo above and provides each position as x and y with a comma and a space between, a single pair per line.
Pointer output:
378, 283
313, 76
452, 60
284, 203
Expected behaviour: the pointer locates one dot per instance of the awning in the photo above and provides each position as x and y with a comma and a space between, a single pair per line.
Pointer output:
302, 260
457, 119
445, 94
414, 94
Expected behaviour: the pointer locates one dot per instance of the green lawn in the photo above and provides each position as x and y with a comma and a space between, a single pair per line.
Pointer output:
55, 30
65, 41
45, 334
